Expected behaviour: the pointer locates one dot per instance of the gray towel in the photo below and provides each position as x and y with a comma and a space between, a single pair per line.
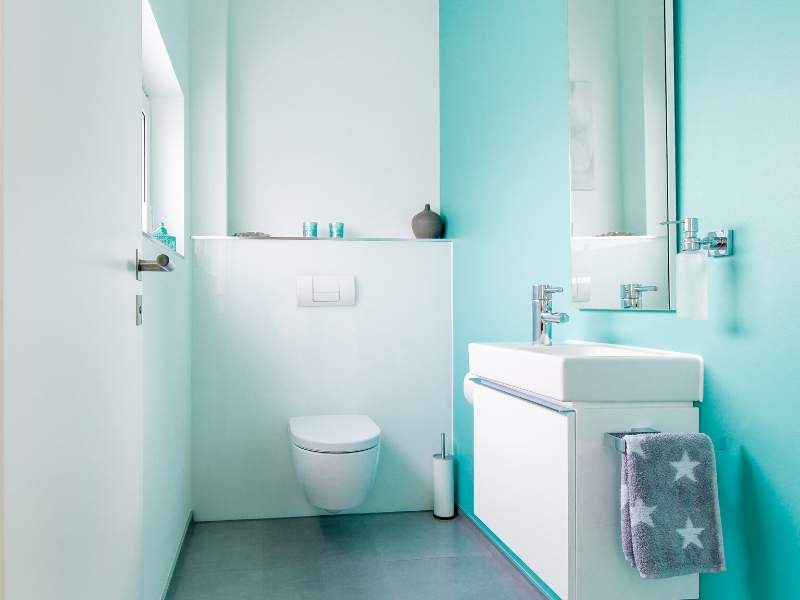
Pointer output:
670, 507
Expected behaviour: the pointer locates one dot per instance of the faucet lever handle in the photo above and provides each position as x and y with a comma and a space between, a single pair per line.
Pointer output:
632, 290
630, 294
544, 291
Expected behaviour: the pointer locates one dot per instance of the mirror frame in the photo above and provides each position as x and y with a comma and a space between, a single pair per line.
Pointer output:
671, 164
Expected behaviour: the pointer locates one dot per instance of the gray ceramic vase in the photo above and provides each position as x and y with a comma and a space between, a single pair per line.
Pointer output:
427, 224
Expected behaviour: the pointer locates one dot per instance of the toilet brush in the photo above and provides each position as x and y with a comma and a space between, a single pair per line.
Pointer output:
443, 492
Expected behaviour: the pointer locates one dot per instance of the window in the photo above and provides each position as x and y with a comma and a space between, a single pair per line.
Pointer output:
147, 221
163, 136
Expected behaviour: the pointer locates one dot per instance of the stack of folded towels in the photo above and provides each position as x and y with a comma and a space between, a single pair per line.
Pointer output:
670, 506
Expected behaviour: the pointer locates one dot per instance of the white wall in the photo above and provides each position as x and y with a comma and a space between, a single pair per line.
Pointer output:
165, 132
2, 338
167, 167
167, 417
166, 334
208, 116
333, 114
258, 359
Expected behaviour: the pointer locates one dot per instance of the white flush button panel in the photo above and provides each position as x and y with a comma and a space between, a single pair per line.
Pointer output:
326, 290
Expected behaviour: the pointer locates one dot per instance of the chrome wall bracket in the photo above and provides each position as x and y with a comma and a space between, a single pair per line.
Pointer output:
717, 243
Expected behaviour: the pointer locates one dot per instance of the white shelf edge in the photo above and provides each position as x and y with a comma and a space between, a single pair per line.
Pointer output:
168, 250
302, 239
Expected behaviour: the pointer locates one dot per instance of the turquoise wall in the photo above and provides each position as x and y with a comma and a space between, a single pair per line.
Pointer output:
505, 193
504, 179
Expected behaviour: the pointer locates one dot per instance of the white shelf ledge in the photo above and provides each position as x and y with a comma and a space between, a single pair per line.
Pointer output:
167, 249
319, 239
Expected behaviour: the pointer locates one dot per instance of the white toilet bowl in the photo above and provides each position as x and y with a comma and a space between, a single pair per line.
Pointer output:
335, 458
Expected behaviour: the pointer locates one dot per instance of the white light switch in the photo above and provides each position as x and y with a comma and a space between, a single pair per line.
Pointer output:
326, 290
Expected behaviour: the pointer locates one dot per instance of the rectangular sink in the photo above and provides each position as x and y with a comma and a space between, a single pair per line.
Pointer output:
590, 372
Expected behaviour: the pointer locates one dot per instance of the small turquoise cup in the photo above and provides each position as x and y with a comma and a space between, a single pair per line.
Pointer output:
336, 230
309, 229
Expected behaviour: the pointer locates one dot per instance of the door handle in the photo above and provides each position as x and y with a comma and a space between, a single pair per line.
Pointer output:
161, 264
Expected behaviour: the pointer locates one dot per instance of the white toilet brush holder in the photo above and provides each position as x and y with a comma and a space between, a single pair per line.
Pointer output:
443, 484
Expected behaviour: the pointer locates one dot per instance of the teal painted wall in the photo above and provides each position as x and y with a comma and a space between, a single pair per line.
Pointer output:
504, 179
505, 194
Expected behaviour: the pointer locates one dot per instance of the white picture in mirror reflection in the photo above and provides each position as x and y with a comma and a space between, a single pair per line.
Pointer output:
581, 135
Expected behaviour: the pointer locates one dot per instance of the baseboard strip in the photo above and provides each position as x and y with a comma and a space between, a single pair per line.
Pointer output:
507, 552
176, 558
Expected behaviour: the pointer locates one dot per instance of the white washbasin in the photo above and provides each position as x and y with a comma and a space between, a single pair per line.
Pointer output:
589, 372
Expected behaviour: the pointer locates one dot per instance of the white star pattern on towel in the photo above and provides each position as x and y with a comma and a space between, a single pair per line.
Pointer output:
690, 533
623, 496
685, 467
634, 444
640, 513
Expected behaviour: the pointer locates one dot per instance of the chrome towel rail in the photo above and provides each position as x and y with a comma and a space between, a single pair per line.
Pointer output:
616, 440
554, 405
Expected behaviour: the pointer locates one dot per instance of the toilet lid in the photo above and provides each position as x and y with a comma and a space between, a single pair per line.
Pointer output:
334, 433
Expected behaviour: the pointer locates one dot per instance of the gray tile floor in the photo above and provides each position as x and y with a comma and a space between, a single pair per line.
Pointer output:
396, 556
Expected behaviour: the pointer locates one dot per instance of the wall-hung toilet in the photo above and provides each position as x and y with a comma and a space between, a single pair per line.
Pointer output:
335, 458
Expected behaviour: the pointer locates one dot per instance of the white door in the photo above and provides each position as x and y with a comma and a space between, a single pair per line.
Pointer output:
72, 421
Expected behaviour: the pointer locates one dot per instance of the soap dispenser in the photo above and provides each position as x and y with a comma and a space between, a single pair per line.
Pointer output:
692, 286
162, 235
691, 271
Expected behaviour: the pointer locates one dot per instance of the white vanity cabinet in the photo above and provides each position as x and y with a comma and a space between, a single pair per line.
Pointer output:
548, 486
525, 482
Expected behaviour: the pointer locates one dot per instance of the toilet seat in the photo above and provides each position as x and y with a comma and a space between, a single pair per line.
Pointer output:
334, 434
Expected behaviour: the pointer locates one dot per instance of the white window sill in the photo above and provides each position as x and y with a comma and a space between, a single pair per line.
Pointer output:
169, 251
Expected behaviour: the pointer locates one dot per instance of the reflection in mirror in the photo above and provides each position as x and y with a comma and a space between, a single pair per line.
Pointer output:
621, 152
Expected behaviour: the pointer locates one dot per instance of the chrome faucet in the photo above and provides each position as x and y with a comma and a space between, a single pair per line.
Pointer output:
630, 295
543, 315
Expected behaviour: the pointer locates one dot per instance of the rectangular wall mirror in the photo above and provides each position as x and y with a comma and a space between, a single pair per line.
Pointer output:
622, 153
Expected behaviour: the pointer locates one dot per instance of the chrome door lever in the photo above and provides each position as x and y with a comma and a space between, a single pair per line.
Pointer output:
161, 264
